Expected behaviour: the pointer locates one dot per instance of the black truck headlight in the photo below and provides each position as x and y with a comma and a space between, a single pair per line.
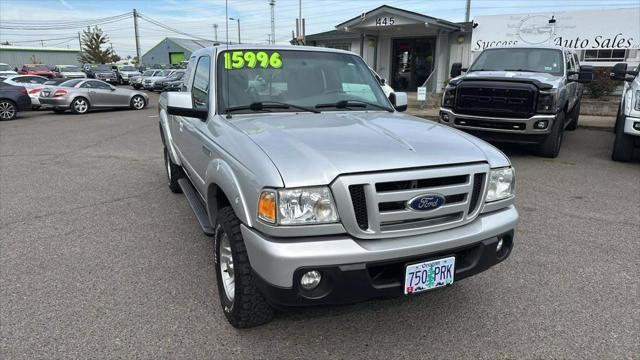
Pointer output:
547, 102
449, 97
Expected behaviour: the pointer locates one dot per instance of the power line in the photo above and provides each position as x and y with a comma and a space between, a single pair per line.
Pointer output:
16, 25
159, 24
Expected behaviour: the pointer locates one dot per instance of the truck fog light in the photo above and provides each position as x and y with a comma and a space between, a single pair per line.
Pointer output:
444, 117
636, 125
542, 124
499, 245
310, 280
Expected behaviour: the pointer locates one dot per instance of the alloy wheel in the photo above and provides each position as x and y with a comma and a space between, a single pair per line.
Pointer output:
226, 267
80, 105
138, 102
7, 111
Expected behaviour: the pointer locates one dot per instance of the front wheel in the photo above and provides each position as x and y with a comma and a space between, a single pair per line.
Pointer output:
550, 146
574, 115
138, 103
79, 105
243, 304
623, 143
8, 110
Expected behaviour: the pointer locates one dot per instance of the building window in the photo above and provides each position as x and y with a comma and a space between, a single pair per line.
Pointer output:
340, 46
605, 55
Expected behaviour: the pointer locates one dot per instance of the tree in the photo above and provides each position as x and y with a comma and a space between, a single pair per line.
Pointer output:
92, 47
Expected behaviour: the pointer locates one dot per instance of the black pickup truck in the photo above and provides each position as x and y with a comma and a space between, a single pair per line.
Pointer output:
522, 95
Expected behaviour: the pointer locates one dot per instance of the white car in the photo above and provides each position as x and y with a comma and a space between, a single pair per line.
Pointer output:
69, 72
149, 82
33, 83
388, 90
5, 70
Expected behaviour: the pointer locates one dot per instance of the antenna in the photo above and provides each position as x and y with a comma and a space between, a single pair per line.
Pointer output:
226, 21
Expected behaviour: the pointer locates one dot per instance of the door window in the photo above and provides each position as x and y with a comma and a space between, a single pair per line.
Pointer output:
200, 87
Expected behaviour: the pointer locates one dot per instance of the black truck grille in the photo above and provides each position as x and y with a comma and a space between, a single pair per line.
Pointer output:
359, 205
494, 98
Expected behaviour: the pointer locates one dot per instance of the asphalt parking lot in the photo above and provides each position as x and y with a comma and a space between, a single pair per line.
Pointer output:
99, 260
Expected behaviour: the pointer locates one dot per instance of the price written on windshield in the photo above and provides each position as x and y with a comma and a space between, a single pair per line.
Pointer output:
251, 60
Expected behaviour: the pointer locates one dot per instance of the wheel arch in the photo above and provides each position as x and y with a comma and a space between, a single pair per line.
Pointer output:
167, 139
224, 190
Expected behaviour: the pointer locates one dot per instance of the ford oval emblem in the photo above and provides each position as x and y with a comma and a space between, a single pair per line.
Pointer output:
426, 202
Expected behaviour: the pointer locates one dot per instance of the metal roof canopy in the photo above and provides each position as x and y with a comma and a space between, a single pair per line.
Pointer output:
365, 20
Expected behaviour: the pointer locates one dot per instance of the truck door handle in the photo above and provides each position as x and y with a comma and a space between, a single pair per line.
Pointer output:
206, 151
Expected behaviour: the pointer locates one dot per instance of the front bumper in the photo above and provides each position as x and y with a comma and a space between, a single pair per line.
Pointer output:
508, 128
279, 263
632, 126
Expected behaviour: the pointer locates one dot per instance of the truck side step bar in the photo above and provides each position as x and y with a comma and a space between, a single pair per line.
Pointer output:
196, 205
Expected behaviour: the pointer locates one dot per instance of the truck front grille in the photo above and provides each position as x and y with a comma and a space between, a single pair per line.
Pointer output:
495, 98
376, 205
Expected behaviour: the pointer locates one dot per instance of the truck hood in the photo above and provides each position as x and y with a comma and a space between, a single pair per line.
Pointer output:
545, 78
313, 149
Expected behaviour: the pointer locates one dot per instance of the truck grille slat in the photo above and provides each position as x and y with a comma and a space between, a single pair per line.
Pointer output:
493, 98
377, 205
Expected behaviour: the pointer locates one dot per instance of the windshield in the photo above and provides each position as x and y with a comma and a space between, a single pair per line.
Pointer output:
177, 75
4, 67
103, 68
128, 68
148, 73
163, 73
37, 67
69, 68
70, 83
297, 78
515, 59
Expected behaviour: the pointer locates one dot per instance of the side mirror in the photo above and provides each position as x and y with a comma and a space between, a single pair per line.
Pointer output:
113, 88
399, 100
619, 72
586, 74
181, 104
456, 70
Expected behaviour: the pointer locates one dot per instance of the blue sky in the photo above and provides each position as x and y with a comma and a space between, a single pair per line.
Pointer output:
198, 16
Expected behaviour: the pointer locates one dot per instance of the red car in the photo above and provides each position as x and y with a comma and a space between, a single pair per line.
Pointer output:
36, 69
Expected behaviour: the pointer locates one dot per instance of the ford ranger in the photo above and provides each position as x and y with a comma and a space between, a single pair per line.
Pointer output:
317, 189
627, 126
522, 95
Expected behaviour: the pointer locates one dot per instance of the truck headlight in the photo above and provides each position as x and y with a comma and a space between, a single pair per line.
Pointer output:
312, 205
547, 102
449, 97
501, 184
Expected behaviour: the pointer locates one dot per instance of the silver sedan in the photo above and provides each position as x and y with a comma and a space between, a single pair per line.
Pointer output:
82, 95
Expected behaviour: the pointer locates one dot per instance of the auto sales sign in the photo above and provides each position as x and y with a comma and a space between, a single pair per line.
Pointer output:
602, 29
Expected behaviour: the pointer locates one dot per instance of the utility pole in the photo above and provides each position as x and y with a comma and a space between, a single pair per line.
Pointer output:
272, 3
300, 24
80, 43
467, 14
215, 32
238, 20
42, 43
135, 28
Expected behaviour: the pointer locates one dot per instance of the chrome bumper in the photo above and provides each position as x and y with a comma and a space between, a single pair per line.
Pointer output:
528, 123
629, 123
275, 260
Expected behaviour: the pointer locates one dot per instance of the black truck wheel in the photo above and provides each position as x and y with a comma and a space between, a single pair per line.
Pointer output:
623, 144
243, 304
550, 146
574, 115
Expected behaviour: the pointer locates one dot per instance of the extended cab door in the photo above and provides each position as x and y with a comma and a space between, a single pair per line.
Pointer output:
100, 93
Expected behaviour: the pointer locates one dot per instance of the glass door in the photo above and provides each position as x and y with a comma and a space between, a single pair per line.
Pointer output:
412, 62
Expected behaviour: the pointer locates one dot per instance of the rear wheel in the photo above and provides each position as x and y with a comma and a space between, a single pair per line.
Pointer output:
574, 115
80, 105
8, 110
243, 304
137, 102
550, 147
623, 144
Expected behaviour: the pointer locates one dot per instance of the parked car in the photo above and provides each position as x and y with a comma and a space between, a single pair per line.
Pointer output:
527, 95
627, 126
388, 90
124, 73
68, 72
34, 84
6, 70
136, 81
54, 81
36, 69
80, 96
102, 72
149, 81
173, 85
13, 99
160, 84
314, 194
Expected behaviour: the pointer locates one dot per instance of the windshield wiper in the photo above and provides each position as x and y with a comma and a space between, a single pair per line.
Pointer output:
345, 104
521, 70
265, 105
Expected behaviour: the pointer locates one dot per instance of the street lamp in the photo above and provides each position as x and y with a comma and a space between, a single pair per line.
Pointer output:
238, 20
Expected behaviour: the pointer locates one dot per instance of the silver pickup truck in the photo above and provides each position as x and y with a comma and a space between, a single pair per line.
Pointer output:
627, 126
318, 190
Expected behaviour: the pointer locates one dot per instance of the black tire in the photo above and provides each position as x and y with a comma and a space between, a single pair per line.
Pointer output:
138, 102
8, 110
248, 308
174, 173
59, 111
574, 115
623, 143
76, 107
550, 146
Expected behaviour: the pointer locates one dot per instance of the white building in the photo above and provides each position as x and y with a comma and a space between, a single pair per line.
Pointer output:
411, 49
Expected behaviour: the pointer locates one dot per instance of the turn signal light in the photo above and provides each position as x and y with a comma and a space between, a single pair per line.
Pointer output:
267, 206
60, 93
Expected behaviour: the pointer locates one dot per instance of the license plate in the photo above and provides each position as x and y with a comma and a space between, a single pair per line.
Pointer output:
429, 275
